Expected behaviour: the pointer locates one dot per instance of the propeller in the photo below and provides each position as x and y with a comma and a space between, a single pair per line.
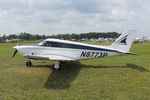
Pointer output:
15, 53
16, 47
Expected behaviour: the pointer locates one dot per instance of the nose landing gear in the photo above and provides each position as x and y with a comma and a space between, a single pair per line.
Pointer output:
28, 63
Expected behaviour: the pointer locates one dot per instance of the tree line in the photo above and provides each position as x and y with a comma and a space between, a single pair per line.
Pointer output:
96, 35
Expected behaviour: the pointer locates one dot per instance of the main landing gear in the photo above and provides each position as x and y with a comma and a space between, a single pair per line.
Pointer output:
56, 66
28, 63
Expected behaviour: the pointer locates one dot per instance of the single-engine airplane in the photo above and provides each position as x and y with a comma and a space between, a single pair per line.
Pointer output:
63, 50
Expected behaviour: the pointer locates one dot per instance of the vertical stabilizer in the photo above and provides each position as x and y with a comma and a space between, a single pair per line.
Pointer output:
123, 43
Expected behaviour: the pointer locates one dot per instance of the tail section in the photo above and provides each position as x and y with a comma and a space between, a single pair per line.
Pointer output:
123, 43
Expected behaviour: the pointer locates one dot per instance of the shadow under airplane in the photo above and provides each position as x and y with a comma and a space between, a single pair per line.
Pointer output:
62, 78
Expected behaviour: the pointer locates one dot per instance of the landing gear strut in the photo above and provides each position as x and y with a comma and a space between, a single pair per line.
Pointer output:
28, 63
56, 66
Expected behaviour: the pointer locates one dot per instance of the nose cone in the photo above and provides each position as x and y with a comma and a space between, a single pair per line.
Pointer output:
15, 47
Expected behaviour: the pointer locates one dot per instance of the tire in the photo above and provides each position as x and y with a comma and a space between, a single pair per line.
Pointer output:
28, 64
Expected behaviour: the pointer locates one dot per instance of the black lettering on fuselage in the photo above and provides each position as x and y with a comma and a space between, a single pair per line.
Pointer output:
105, 54
87, 54
83, 54
101, 55
93, 54
96, 54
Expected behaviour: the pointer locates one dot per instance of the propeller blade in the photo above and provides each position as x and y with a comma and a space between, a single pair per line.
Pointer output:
14, 53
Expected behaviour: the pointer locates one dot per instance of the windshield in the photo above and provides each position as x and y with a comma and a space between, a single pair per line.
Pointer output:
42, 43
46, 43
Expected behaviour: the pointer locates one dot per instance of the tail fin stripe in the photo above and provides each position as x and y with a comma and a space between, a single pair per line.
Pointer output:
123, 43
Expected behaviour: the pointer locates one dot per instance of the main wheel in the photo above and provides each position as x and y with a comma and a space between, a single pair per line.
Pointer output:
28, 64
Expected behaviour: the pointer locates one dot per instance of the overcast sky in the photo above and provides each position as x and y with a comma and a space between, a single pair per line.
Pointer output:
74, 16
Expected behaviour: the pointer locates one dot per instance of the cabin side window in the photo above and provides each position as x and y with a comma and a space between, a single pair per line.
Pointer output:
48, 44
54, 44
58, 44
64, 45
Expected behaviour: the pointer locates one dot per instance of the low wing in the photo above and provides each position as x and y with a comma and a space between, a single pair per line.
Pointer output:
62, 58
49, 57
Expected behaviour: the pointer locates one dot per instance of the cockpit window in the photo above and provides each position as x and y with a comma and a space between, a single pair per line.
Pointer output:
50, 44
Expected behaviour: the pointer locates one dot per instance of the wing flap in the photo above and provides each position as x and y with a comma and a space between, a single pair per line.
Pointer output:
60, 58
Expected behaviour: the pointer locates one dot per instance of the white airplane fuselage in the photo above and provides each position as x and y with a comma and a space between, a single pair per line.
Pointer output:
29, 51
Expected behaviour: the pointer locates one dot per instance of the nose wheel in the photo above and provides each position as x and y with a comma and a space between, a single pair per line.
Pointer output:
28, 63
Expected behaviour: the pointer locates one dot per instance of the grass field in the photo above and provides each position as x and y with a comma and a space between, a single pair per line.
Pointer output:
114, 78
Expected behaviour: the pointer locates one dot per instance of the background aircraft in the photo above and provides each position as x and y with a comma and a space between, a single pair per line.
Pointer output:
63, 50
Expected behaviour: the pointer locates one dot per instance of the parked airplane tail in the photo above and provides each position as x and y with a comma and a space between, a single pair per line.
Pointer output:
123, 43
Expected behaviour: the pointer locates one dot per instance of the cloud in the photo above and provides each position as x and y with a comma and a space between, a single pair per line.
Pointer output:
73, 16
12, 4
87, 6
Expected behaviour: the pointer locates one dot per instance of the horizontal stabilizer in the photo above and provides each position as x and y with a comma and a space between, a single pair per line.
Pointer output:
130, 53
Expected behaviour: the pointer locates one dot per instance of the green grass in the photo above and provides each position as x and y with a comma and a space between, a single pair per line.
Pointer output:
114, 78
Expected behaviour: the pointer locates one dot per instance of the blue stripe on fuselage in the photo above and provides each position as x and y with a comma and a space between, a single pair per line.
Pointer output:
76, 46
90, 48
